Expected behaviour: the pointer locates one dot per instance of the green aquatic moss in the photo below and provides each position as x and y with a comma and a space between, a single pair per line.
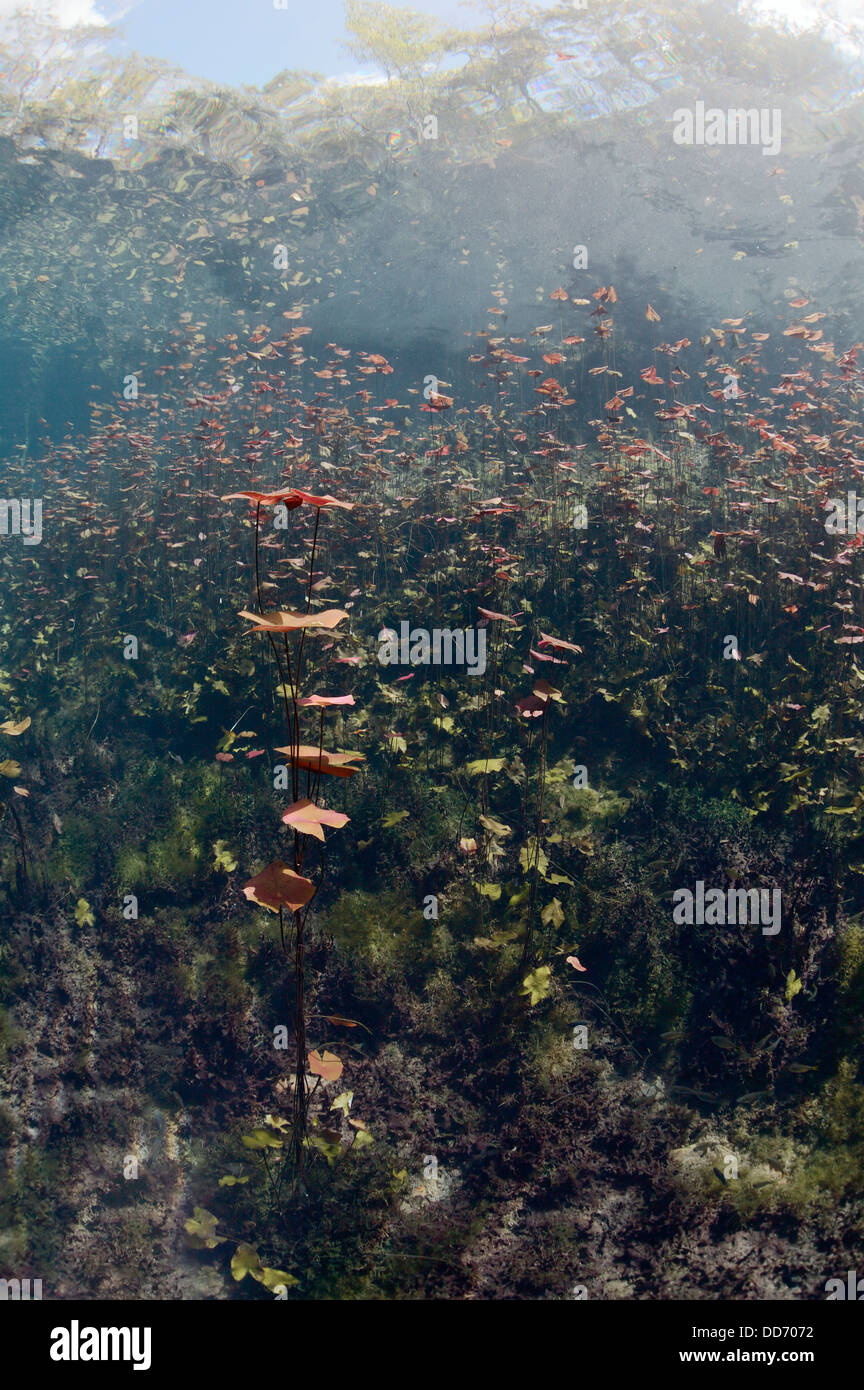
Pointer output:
76, 854
821, 1165
131, 869
174, 859
10, 1034
850, 980
378, 925
715, 818
591, 806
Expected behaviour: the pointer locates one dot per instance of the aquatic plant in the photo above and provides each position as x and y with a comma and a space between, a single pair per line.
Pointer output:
279, 887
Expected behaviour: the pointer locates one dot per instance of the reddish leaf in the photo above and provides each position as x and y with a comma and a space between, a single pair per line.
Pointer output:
547, 641
499, 617
329, 1066
308, 818
325, 700
313, 759
278, 886
286, 620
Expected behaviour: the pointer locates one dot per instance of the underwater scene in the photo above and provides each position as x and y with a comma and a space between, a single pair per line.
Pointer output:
432, 660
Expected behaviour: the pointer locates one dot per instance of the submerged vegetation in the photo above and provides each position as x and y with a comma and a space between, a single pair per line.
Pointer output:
334, 964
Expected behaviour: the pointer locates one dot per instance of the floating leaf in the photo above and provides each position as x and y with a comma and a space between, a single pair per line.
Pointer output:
245, 1260
495, 826
329, 1066
200, 1230
794, 986
276, 1280
544, 691
559, 643
393, 818
496, 617
13, 730
329, 1148
286, 620
552, 913
83, 915
276, 1122
311, 701
313, 759
530, 856
490, 890
309, 819
223, 858
480, 766
261, 1139
278, 886
537, 985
